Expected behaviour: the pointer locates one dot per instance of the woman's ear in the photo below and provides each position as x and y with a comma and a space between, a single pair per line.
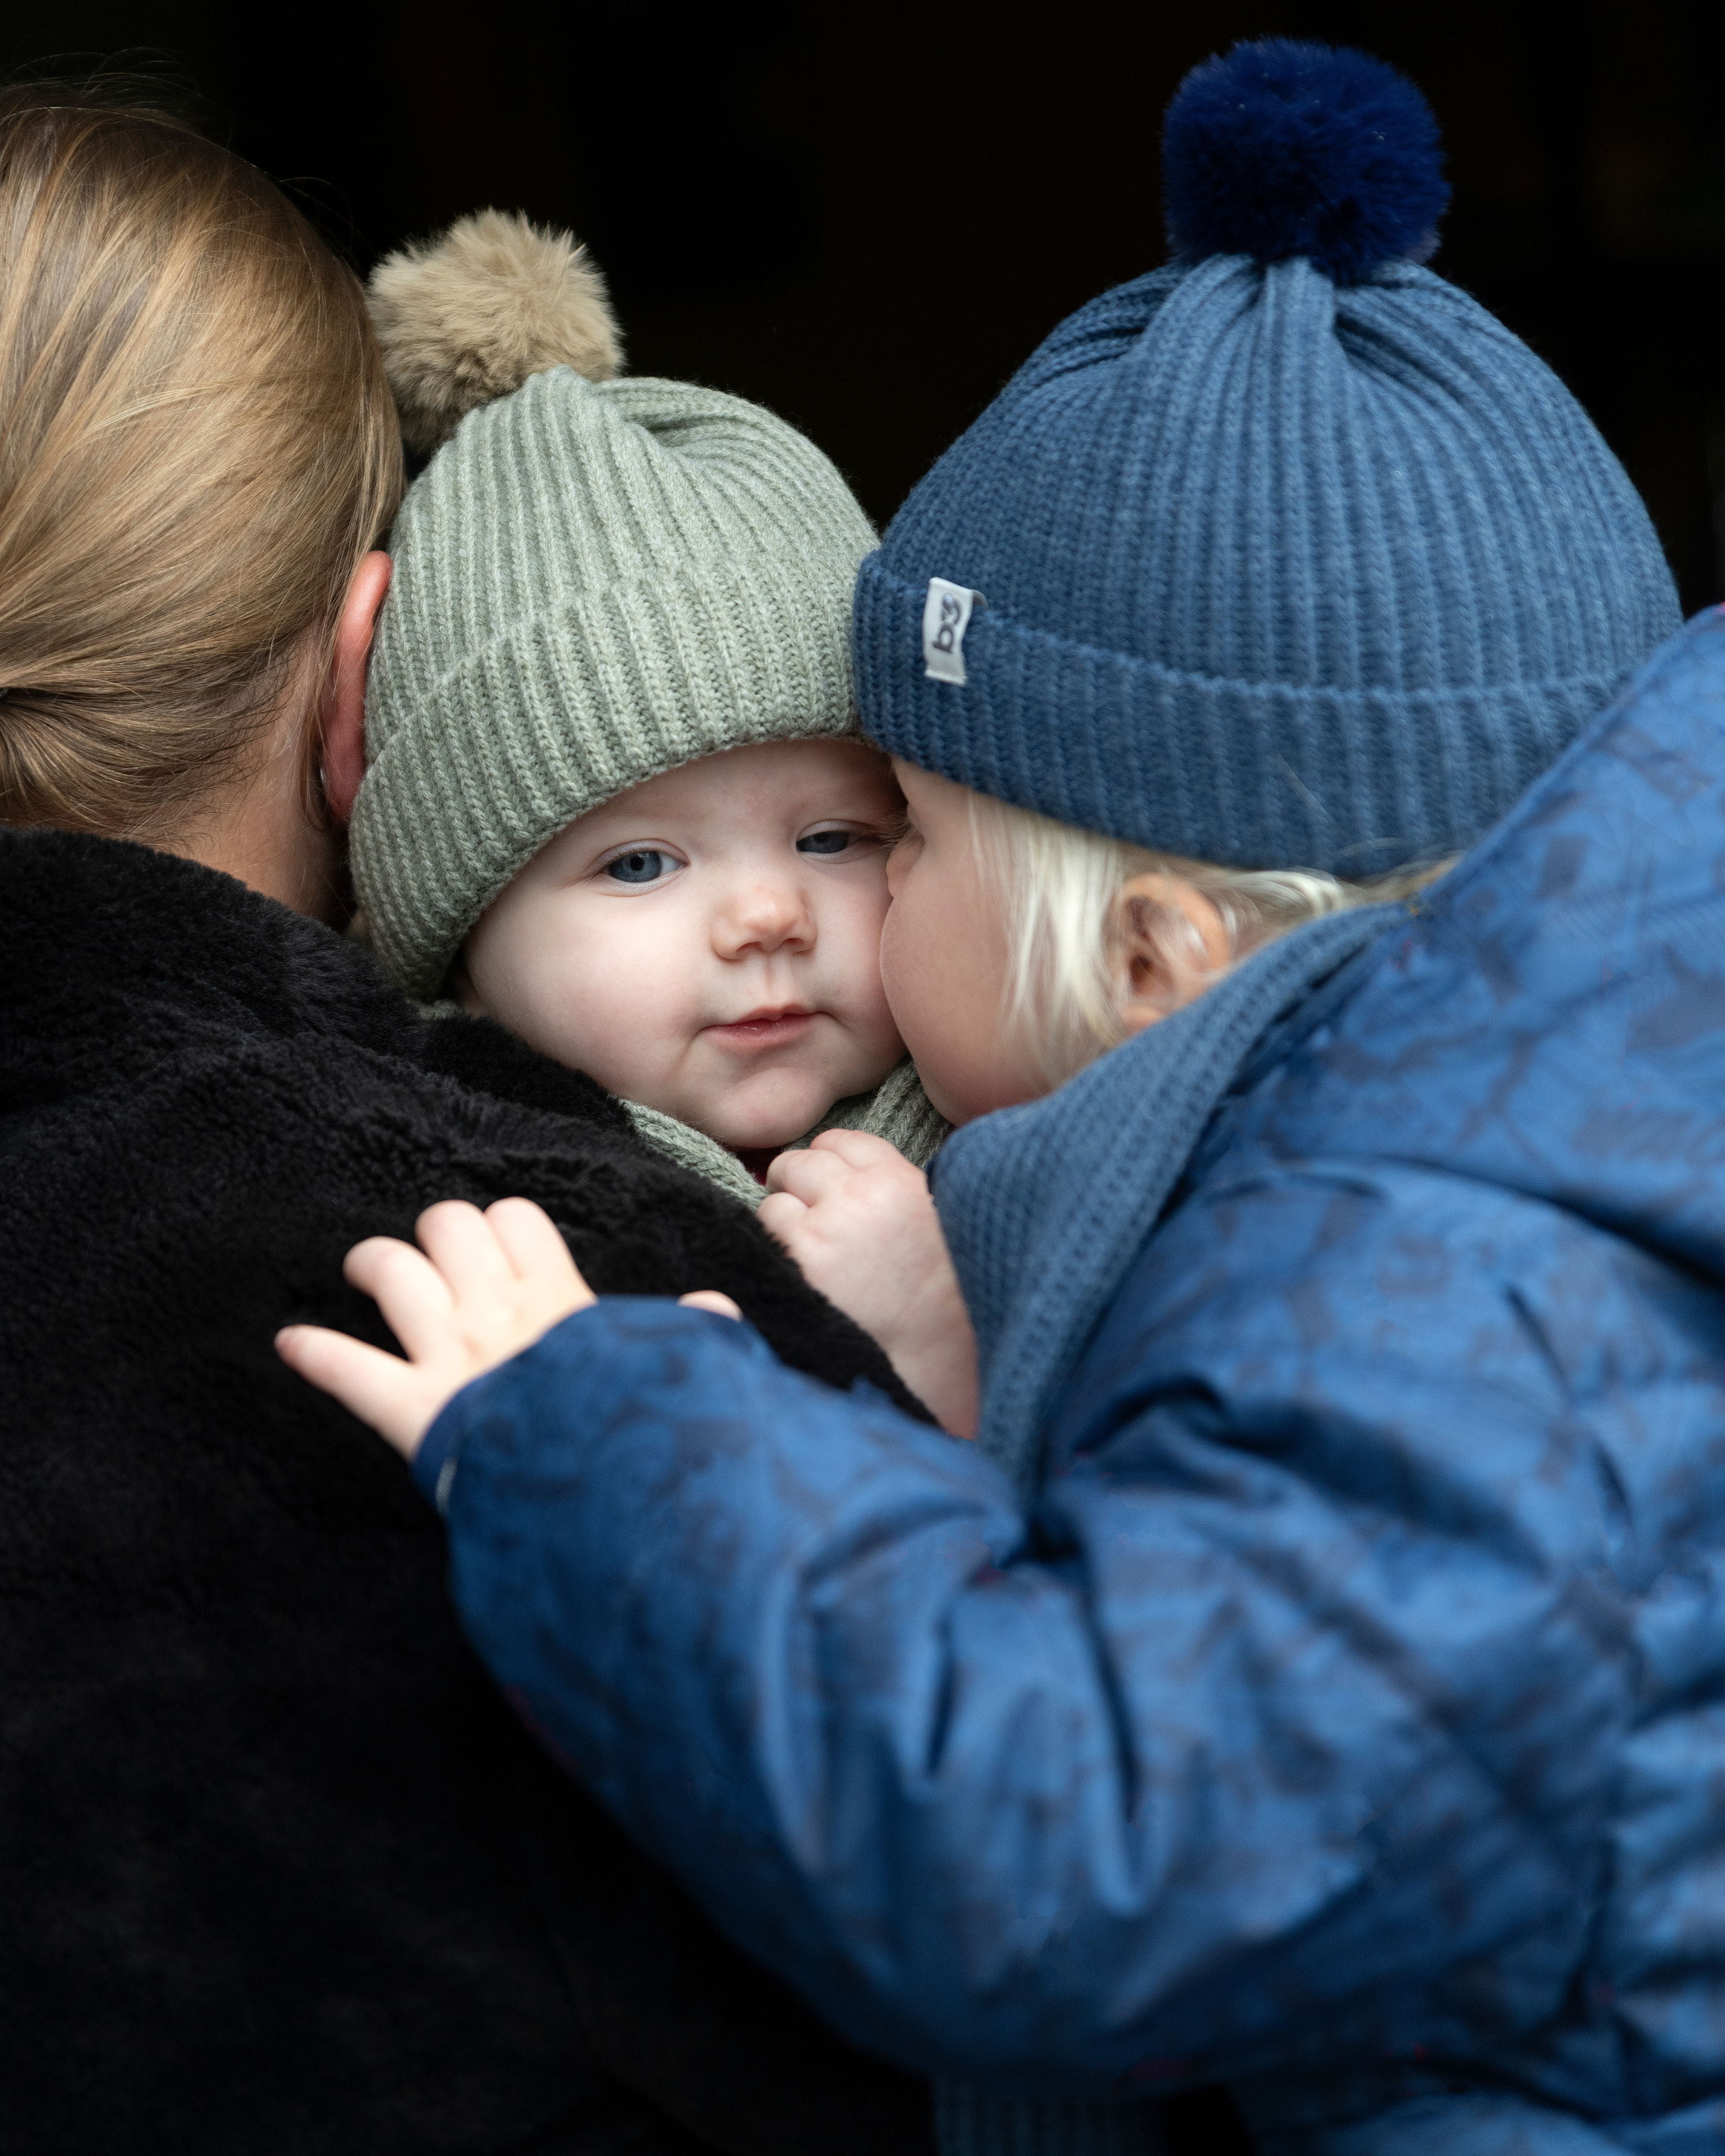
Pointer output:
342, 718
1170, 943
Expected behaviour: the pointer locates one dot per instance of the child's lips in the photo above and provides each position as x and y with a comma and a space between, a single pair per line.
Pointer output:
775, 1028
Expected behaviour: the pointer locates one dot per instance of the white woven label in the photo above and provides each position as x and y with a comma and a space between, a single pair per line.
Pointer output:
946, 616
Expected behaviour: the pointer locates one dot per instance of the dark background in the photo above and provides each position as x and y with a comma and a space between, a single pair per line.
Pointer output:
867, 216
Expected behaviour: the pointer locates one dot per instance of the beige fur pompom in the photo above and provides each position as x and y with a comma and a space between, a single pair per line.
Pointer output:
467, 317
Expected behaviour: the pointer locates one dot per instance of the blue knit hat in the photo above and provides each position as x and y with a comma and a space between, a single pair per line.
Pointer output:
1286, 555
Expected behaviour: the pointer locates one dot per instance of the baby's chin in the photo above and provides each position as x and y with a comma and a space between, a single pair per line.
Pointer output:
775, 1109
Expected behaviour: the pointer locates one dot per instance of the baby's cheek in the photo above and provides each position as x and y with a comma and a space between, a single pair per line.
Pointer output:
851, 918
624, 1017
850, 973
558, 980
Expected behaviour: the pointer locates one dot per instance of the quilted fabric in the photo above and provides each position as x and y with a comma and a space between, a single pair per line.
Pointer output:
1346, 1716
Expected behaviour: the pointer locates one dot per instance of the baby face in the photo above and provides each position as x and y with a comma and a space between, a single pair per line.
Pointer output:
709, 943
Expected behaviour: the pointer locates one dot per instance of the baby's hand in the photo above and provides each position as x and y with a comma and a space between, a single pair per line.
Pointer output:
487, 1285
858, 1220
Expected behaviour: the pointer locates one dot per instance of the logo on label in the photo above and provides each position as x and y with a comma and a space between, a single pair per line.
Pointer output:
946, 616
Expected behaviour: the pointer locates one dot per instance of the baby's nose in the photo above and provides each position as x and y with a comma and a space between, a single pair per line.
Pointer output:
768, 914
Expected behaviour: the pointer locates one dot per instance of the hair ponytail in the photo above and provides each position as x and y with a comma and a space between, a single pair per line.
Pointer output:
196, 446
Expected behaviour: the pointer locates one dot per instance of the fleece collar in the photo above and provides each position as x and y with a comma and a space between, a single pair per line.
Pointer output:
1045, 1206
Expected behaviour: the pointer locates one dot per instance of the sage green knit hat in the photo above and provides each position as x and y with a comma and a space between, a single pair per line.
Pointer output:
596, 580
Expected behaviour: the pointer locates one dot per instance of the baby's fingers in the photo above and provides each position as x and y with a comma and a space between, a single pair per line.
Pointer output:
381, 1390
784, 1216
856, 1149
409, 1290
807, 1175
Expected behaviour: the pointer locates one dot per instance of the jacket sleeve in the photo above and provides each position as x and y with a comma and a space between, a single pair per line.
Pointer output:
1147, 1785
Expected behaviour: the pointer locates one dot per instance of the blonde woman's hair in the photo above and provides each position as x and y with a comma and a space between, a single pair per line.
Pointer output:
1060, 891
196, 446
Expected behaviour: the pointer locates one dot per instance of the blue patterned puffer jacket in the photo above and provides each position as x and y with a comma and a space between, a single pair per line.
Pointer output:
1344, 1714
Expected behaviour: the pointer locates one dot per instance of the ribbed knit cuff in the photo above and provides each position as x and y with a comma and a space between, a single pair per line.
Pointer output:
1251, 774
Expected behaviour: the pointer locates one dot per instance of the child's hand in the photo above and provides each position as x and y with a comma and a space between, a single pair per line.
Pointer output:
858, 1220
488, 1286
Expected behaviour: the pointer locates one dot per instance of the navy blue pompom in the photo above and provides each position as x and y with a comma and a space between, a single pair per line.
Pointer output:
1282, 149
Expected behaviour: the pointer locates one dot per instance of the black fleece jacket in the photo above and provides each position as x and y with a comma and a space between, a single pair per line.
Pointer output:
279, 1870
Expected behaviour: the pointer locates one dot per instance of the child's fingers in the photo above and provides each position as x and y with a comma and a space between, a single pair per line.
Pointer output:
379, 1389
807, 1175
709, 1298
857, 1148
532, 1244
408, 1289
464, 1246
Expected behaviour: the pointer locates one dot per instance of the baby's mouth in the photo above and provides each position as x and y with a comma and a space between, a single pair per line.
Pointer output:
773, 1026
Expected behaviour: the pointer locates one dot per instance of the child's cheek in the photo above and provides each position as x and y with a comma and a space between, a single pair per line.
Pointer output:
942, 961
908, 976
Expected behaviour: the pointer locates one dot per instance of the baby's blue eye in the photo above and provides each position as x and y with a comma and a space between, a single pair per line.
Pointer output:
827, 842
645, 864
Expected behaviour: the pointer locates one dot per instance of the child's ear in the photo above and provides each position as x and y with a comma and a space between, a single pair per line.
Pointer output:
1170, 943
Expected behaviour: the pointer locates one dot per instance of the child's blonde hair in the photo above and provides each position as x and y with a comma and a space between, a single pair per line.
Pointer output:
196, 446
1060, 890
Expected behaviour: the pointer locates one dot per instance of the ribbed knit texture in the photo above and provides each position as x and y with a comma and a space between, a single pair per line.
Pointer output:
898, 1110
696, 1151
594, 582
1277, 574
